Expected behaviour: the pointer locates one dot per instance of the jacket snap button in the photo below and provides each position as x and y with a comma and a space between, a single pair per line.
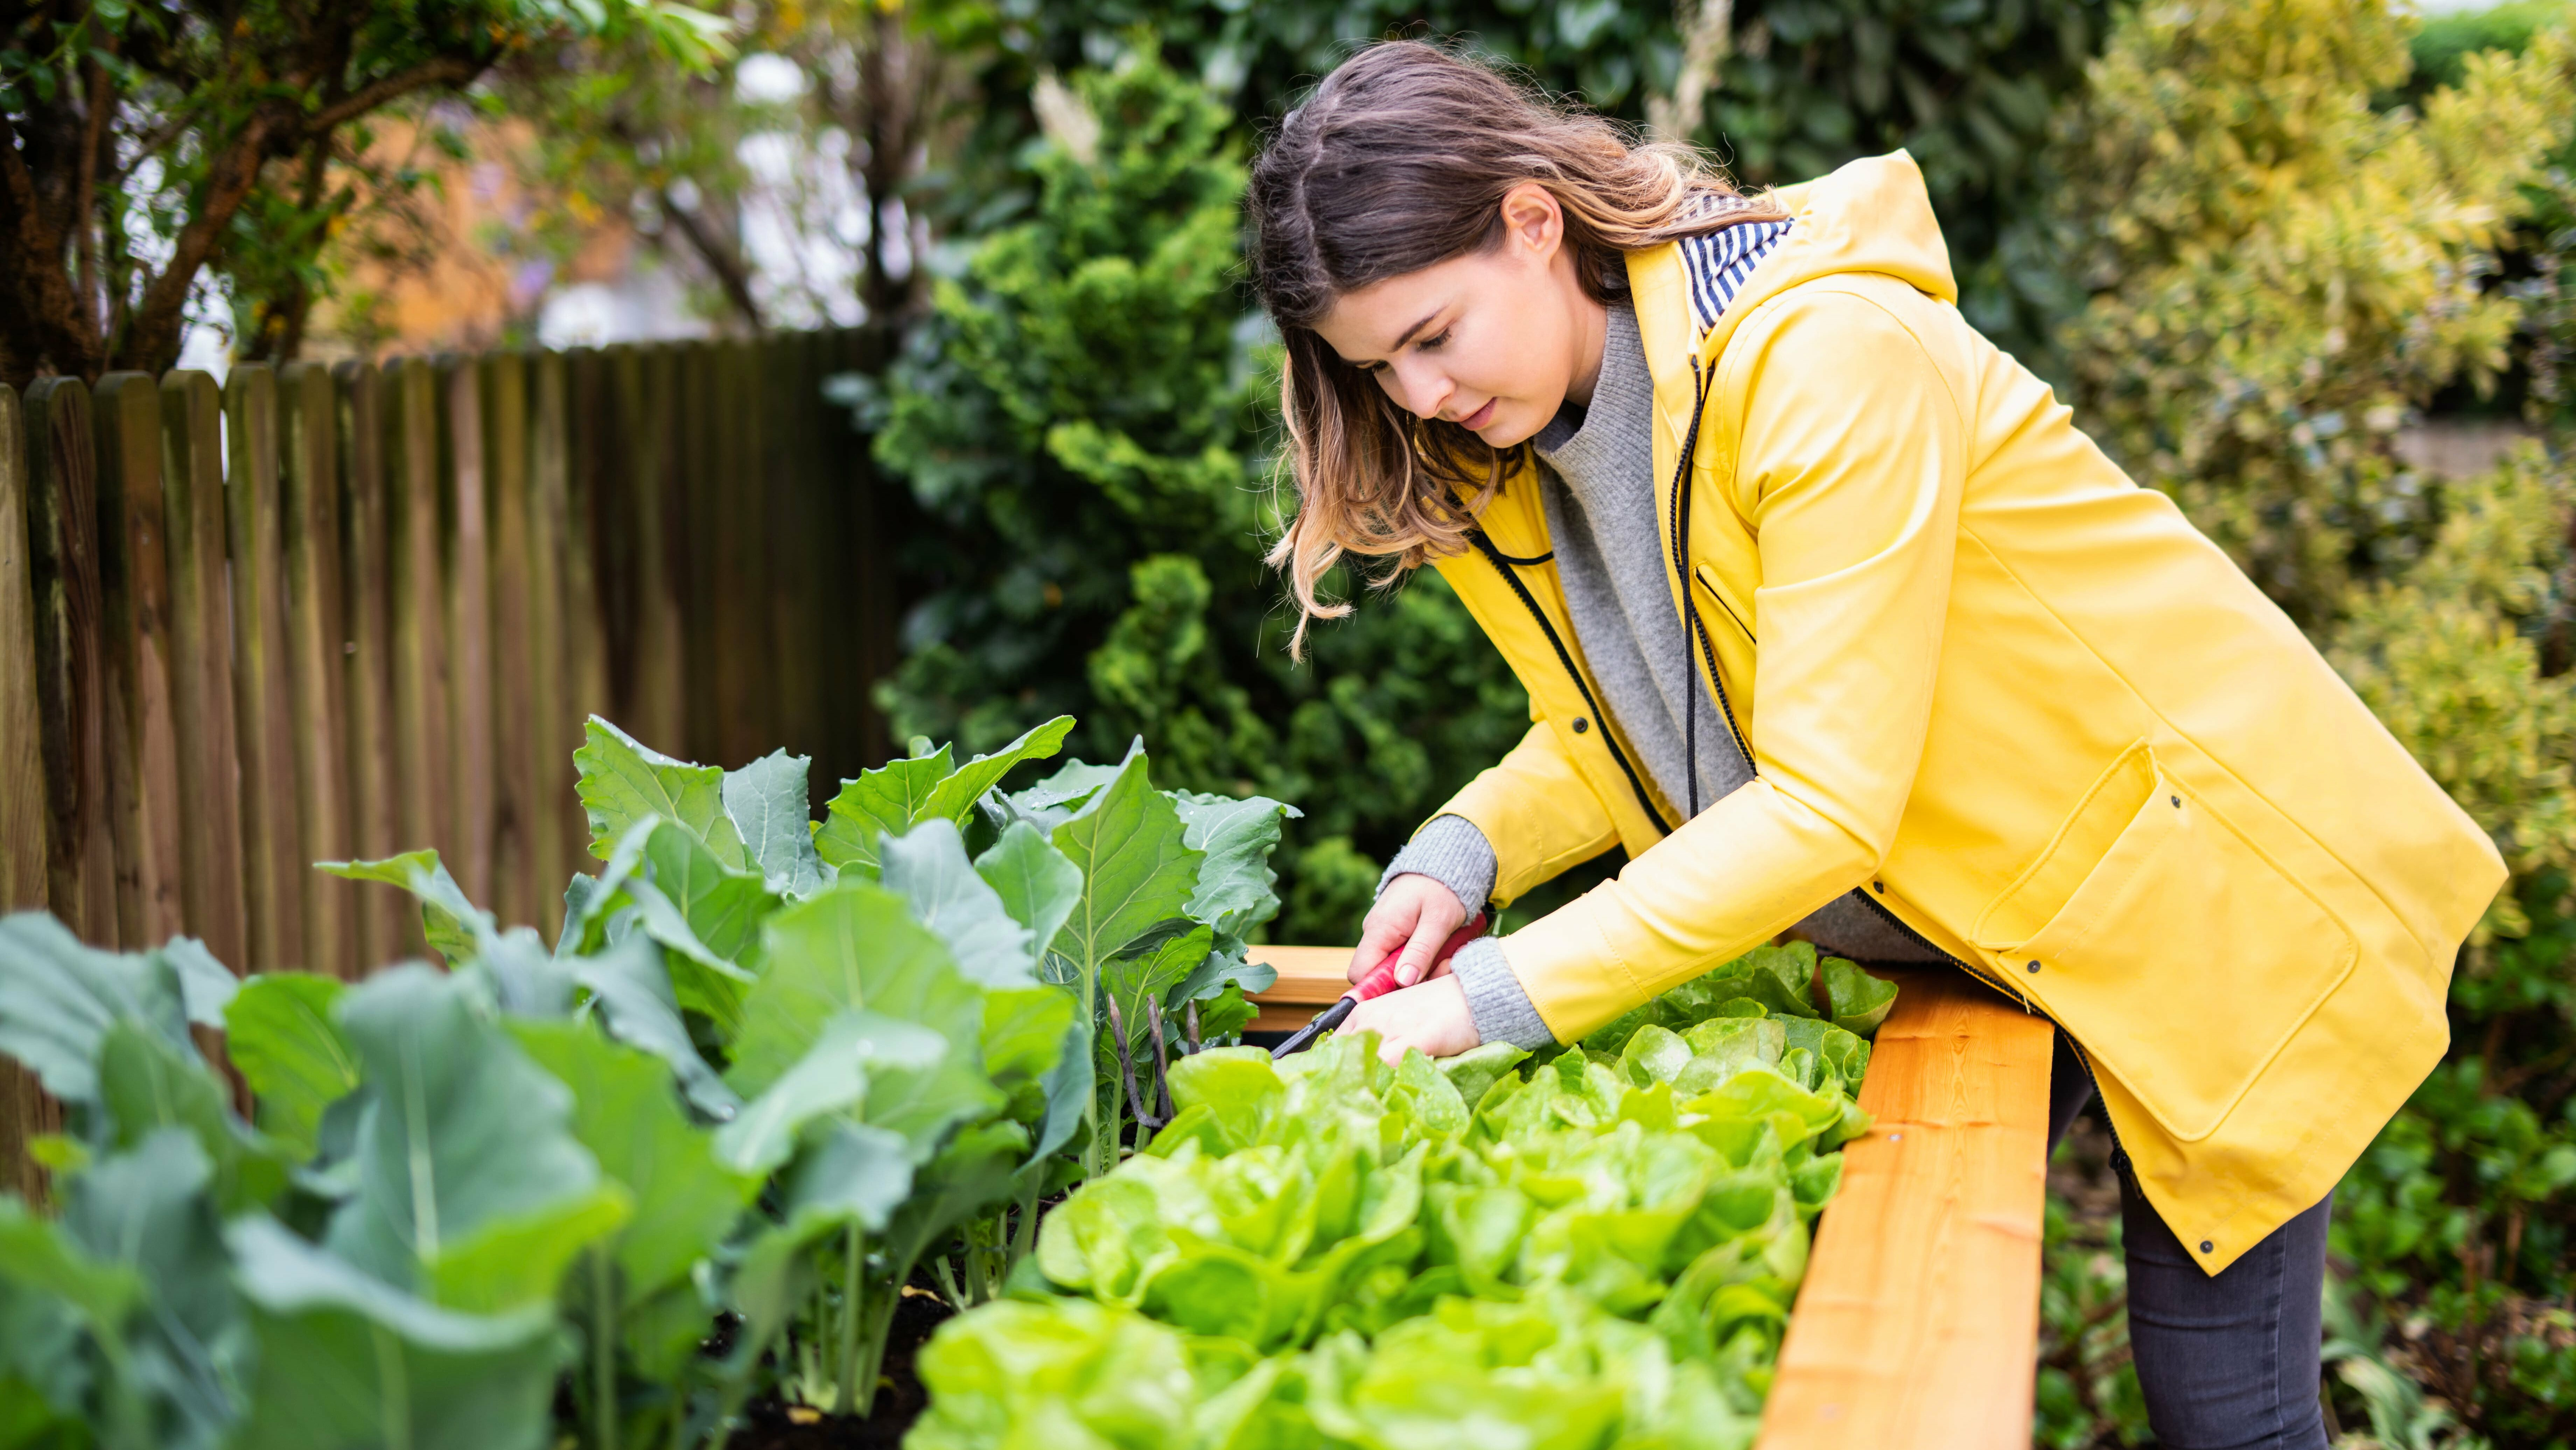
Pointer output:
1581, 724
2204, 1246
1879, 886
2034, 966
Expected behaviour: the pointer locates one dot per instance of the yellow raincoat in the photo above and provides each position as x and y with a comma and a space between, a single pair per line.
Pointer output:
2016, 698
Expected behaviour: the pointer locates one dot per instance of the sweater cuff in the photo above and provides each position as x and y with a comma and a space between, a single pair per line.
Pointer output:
1453, 852
1502, 1010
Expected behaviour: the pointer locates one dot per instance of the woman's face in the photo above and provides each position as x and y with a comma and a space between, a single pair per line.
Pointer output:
1494, 341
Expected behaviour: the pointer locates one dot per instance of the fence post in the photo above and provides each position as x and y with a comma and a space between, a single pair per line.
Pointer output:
648, 504
22, 761
518, 611
797, 560
745, 496
62, 528
424, 759
467, 547
697, 549
273, 857
317, 662
24, 1109
201, 666
134, 587
559, 644
367, 681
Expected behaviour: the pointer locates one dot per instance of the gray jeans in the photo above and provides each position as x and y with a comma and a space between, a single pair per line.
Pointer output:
2224, 1361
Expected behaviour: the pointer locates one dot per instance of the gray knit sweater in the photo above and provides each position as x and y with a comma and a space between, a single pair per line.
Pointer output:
1599, 491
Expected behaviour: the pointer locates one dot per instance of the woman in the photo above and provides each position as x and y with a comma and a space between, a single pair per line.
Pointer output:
1832, 618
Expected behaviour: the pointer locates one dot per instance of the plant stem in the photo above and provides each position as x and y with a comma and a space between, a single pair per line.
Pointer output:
1162, 1066
1091, 1152
1024, 1234
851, 1281
1135, 1101
948, 1278
880, 1327
603, 1348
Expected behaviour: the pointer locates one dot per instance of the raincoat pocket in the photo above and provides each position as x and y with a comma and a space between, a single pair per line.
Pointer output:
2146, 949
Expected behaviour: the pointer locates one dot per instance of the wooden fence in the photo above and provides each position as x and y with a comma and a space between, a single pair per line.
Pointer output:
343, 611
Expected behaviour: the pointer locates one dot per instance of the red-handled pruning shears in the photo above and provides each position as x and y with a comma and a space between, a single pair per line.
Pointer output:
1379, 981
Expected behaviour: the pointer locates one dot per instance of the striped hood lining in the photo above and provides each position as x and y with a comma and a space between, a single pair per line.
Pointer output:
1718, 262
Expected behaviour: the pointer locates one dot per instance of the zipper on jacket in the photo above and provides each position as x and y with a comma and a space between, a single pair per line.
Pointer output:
1503, 565
1680, 512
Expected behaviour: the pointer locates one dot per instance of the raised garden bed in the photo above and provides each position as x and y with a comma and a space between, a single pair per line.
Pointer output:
1919, 1316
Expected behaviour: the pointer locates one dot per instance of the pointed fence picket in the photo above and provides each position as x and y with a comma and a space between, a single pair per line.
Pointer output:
333, 611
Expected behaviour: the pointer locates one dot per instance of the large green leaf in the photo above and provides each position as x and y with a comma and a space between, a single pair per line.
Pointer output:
957, 795
706, 915
857, 1173
454, 927
833, 1076
1150, 975
148, 1209
39, 1255
855, 945
146, 1084
472, 1190
901, 794
206, 986
768, 803
631, 996
1225, 966
721, 907
1035, 882
888, 798
1024, 1030
1067, 1087
1137, 871
683, 1202
346, 1360
1235, 881
927, 867
58, 999
280, 1036
623, 781
45, 1373
971, 1175
1054, 800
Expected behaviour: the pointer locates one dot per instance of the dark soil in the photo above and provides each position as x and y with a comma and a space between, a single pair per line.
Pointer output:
900, 1396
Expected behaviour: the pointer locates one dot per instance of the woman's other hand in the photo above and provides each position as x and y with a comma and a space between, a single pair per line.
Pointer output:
1432, 1016
1415, 916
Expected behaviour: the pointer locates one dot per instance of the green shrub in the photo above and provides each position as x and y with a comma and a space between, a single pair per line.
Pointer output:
2285, 266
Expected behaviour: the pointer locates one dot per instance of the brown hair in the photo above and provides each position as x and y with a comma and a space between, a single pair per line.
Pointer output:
1399, 161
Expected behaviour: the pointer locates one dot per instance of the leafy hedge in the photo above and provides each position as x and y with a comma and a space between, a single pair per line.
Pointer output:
770, 1067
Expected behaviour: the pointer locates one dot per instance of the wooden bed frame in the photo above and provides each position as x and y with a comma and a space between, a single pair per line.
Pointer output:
1918, 1323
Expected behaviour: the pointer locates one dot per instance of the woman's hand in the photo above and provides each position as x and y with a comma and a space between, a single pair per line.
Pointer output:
1432, 1016
1417, 915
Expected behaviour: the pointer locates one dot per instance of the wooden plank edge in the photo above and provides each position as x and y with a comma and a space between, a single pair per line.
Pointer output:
1918, 1320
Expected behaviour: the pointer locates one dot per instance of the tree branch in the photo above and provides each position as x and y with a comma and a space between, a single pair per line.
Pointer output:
40, 315
732, 274
445, 71
153, 345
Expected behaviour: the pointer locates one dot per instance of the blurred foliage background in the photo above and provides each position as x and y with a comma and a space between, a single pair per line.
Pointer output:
2299, 263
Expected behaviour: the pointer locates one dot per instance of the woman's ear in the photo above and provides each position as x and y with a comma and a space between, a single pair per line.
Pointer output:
1533, 222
